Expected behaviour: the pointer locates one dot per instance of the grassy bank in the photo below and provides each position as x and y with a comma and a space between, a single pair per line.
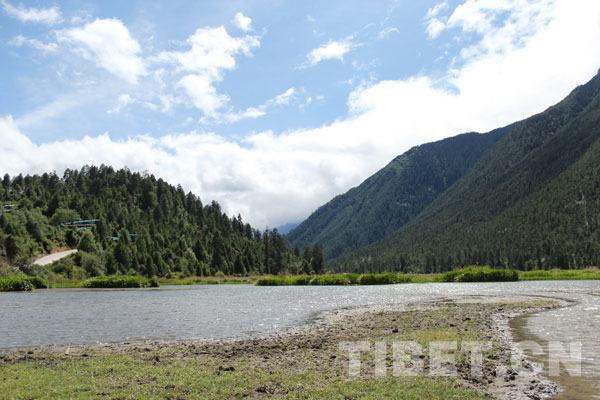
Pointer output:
296, 366
557, 274
336, 279
479, 275
470, 274
120, 281
211, 280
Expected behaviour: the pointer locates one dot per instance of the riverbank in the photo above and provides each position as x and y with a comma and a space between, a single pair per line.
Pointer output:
470, 274
308, 363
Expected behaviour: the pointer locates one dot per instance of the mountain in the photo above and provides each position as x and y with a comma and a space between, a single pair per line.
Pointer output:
532, 201
131, 223
286, 228
393, 196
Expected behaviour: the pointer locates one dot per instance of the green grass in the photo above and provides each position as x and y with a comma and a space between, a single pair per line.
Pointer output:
120, 281
336, 280
21, 283
479, 275
210, 280
383, 279
133, 377
557, 274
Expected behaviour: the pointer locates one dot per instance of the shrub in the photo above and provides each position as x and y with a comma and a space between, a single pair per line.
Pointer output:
353, 278
330, 280
480, 275
384, 279
274, 281
302, 280
21, 283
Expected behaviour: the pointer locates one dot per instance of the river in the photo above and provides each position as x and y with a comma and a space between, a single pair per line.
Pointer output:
209, 312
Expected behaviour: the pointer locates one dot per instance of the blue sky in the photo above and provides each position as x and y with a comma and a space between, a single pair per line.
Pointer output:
274, 107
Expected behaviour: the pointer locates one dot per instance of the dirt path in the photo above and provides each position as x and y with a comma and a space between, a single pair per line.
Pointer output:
49, 259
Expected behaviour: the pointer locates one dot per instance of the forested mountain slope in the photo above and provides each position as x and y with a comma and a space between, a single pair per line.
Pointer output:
144, 226
394, 195
532, 201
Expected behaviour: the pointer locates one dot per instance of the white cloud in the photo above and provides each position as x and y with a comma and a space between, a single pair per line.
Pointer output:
47, 16
384, 33
283, 98
212, 51
250, 112
21, 40
242, 22
123, 101
274, 178
260, 111
203, 94
332, 50
108, 43
435, 25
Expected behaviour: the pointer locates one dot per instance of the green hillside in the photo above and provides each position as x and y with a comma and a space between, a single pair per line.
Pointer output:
532, 201
144, 226
394, 195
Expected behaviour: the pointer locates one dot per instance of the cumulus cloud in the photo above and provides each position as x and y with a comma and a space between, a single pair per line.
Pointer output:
212, 52
47, 16
203, 94
242, 22
108, 43
275, 178
332, 50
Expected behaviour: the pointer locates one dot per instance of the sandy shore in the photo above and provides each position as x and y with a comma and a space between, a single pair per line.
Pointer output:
318, 346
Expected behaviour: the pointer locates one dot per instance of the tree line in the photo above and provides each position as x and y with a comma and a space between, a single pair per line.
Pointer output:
145, 226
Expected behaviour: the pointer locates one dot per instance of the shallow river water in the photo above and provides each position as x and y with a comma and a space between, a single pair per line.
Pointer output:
208, 312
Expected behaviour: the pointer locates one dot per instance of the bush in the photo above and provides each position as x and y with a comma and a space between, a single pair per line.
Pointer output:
353, 278
21, 283
384, 279
480, 275
302, 280
330, 280
274, 281
120, 281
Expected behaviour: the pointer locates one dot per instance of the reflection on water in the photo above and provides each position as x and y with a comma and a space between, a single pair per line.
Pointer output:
46, 317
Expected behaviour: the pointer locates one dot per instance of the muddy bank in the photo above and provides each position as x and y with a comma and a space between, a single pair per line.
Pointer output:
318, 348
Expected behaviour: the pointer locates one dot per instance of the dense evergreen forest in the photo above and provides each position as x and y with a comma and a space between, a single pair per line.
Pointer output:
531, 202
393, 196
135, 224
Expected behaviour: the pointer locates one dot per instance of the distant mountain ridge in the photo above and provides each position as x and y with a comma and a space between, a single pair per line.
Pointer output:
532, 201
393, 196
